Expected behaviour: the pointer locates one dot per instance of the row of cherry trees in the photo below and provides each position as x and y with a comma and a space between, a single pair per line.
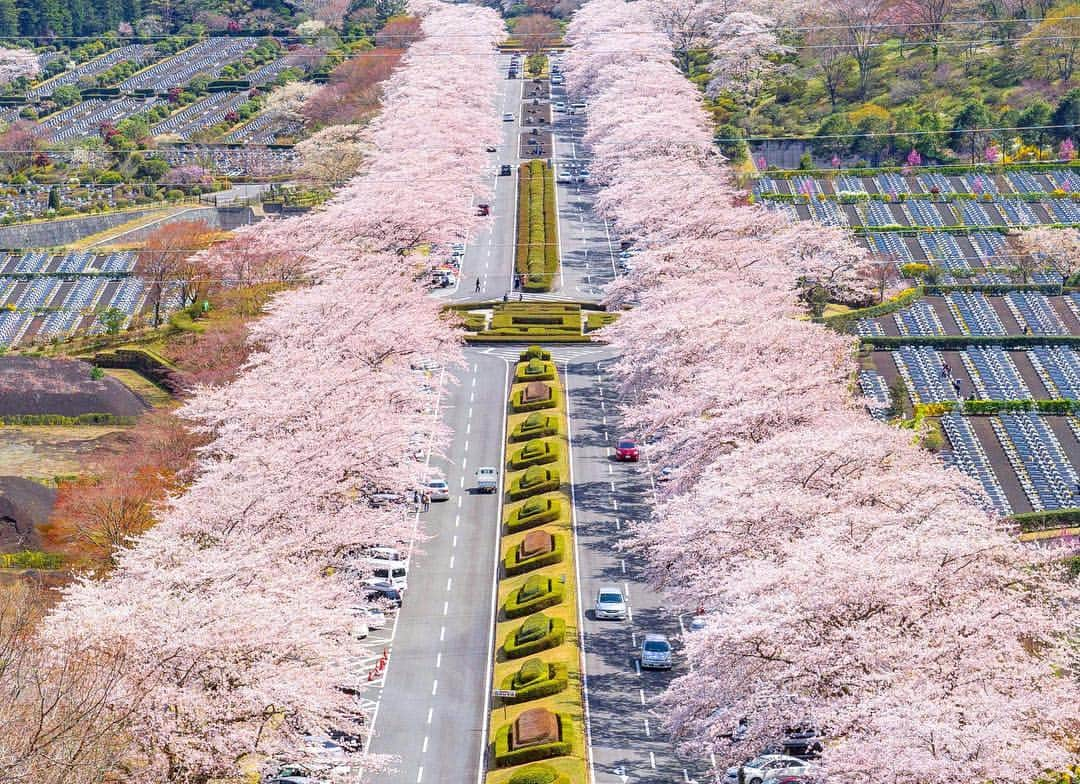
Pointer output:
850, 581
230, 610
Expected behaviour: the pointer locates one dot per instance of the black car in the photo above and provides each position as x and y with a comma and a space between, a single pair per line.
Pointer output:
374, 591
803, 742
505, 170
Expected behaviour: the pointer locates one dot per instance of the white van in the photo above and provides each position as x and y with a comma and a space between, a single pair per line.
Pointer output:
394, 572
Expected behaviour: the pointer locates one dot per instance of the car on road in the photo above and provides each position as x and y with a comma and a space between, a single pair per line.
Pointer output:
610, 603
626, 450
508, 117
438, 489
656, 652
556, 79
768, 766
491, 148
376, 590
564, 178
505, 170
559, 106
487, 479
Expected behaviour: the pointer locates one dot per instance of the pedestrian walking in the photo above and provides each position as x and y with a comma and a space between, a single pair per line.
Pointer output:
956, 385
944, 370
517, 282
478, 285
427, 501
521, 296
506, 296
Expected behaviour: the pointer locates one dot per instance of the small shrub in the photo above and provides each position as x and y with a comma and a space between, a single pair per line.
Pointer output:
97, 373
537, 774
534, 481
535, 352
535, 452
534, 369
535, 425
512, 566
541, 636
534, 512
504, 757
538, 593
549, 679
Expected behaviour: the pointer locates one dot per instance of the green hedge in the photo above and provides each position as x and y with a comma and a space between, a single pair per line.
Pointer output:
960, 342
534, 370
535, 352
1043, 521
60, 419
984, 407
537, 248
551, 679
534, 481
512, 566
535, 452
519, 407
30, 559
535, 425
956, 168
519, 338
534, 512
504, 757
940, 289
525, 642
842, 321
538, 593
539, 774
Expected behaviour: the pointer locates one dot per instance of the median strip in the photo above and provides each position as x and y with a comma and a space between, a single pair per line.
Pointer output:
537, 720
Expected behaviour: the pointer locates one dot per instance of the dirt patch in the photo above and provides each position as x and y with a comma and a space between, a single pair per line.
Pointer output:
61, 386
24, 505
49, 451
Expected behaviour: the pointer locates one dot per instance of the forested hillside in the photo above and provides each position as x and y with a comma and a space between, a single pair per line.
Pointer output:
65, 18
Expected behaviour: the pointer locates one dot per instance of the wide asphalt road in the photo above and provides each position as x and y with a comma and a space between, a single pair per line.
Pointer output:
431, 710
628, 743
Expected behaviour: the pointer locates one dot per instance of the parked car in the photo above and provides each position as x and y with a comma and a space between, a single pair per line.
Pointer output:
395, 573
375, 590
656, 652
508, 117
487, 479
438, 489
483, 209
610, 603
803, 742
559, 106
505, 170
627, 450
372, 617
386, 554
491, 148
768, 766
385, 498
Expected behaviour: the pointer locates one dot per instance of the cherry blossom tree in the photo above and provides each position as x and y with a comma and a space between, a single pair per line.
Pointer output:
744, 50
229, 609
850, 581
1057, 249
17, 62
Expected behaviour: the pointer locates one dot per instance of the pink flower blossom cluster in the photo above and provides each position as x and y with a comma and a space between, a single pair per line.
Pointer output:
17, 62
231, 611
849, 580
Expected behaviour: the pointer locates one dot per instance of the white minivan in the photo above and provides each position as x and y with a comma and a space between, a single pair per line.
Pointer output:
394, 572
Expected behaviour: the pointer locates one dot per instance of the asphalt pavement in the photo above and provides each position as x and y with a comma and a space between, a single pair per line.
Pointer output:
628, 742
430, 704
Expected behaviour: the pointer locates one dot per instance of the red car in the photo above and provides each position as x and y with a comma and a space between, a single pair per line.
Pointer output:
625, 449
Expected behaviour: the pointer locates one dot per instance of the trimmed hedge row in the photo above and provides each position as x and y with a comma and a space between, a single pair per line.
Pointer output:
60, 419
534, 512
1044, 521
513, 567
842, 321
542, 634
535, 425
504, 757
518, 407
539, 774
956, 168
518, 337
534, 370
552, 679
985, 407
535, 452
537, 256
534, 481
960, 342
538, 593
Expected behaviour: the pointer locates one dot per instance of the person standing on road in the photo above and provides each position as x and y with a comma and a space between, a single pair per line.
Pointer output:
478, 284
427, 501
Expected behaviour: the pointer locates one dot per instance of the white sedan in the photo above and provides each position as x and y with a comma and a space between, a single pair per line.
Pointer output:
769, 766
